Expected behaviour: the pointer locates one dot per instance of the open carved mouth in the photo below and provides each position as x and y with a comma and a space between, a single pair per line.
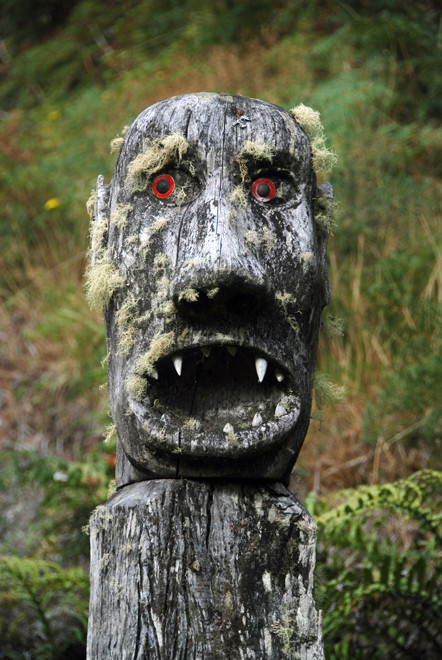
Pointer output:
224, 390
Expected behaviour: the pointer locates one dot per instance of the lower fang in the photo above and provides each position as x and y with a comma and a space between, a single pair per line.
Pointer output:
228, 428
257, 420
178, 363
280, 411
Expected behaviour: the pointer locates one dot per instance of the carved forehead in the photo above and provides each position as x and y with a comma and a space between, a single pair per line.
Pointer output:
216, 122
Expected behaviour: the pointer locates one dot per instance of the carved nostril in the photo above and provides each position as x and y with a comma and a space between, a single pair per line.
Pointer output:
220, 302
200, 306
243, 305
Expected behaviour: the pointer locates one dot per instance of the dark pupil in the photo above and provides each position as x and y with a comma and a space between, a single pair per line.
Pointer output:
263, 190
163, 186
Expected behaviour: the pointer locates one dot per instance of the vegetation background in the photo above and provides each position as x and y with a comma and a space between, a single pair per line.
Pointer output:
73, 73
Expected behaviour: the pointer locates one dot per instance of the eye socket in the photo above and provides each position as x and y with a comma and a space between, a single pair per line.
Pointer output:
263, 189
163, 185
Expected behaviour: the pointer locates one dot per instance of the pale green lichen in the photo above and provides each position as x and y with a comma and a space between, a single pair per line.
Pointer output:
119, 215
267, 238
251, 238
103, 279
98, 231
333, 325
136, 387
288, 635
189, 424
158, 225
189, 295
167, 309
160, 345
117, 142
156, 154
287, 302
211, 293
232, 439
253, 151
90, 204
324, 159
325, 210
239, 197
256, 151
326, 391
160, 263
125, 319
109, 434
111, 488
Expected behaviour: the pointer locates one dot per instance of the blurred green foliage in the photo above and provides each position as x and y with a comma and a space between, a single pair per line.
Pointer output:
72, 75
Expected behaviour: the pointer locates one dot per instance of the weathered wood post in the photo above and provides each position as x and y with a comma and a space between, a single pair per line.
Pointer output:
212, 273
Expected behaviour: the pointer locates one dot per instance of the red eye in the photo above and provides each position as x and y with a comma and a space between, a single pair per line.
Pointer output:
163, 185
264, 190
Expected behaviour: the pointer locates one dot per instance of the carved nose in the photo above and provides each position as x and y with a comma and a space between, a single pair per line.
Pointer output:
236, 299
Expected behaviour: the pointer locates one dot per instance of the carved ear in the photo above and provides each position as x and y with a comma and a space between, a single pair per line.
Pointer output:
100, 218
324, 222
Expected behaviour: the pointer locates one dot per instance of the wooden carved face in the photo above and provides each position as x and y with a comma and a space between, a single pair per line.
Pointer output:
220, 278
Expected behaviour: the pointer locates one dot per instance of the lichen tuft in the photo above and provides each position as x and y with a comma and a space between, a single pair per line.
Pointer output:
119, 215
189, 295
90, 204
117, 142
326, 391
324, 159
103, 279
155, 155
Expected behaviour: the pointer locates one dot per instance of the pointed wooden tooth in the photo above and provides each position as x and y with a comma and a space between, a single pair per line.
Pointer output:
178, 363
154, 373
280, 411
232, 350
257, 420
261, 368
206, 351
228, 428
279, 375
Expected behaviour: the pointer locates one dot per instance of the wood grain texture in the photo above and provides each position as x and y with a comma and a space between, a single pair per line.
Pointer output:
190, 570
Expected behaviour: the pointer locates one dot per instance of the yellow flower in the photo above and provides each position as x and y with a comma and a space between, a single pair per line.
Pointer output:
54, 115
52, 204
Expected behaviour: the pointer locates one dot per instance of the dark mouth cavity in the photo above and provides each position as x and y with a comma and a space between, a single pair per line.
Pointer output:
207, 388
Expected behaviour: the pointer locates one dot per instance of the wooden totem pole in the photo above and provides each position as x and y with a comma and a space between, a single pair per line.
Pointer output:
212, 273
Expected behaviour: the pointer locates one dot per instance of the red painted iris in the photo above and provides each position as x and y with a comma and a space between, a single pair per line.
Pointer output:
163, 185
264, 190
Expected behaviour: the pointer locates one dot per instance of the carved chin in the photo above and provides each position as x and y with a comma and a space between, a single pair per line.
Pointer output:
219, 401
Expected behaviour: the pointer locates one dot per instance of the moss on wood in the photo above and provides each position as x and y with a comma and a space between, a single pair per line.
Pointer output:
156, 154
324, 159
103, 279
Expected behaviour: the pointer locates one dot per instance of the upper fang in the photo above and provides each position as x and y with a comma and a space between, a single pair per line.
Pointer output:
261, 368
206, 351
279, 375
232, 350
178, 363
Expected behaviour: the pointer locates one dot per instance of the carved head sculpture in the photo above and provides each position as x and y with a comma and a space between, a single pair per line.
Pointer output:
213, 275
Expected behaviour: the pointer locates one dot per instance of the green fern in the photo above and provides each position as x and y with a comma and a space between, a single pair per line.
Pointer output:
42, 608
382, 599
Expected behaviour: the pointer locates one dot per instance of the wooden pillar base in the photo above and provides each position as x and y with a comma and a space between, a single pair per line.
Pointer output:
197, 570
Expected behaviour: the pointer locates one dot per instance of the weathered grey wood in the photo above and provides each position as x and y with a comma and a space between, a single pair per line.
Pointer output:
212, 289
195, 570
